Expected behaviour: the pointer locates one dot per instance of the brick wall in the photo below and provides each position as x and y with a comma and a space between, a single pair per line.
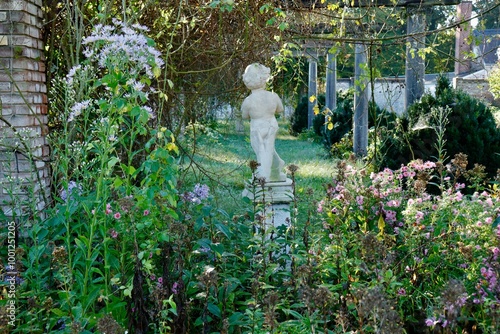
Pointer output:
478, 88
24, 171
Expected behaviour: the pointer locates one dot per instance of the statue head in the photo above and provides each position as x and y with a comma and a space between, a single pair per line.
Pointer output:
256, 76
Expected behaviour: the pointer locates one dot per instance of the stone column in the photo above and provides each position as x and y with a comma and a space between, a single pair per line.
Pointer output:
462, 34
361, 92
24, 152
415, 66
312, 90
331, 81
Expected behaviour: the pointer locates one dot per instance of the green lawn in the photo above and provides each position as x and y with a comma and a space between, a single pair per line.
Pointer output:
220, 159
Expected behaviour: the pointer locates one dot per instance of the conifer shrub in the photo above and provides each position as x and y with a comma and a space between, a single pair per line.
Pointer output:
298, 121
469, 128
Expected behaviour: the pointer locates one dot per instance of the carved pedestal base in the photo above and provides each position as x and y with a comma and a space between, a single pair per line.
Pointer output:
275, 198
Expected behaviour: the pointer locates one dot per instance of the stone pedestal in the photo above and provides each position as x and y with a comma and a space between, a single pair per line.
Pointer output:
275, 198
272, 192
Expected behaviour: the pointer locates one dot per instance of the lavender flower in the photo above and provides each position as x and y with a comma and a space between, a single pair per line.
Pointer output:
201, 191
123, 45
77, 109
68, 192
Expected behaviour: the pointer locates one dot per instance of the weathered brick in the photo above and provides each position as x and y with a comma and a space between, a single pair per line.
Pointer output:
5, 86
22, 109
32, 8
22, 17
34, 32
5, 63
15, 98
24, 41
6, 28
22, 121
6, 110
6, 51
4, 40
24, 63
13, 5
16, 76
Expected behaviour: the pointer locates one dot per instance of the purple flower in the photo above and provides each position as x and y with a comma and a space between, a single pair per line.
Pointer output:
201, 191
430, 322
175, 288
402, 292
72, 187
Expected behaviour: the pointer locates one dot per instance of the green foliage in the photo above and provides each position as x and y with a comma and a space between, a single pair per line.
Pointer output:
494, 81
396, 252
341, 118
299, 119
471, 129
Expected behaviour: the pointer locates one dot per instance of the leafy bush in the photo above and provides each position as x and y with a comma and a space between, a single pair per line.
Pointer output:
399, 258
126, 246
299, 119
341, 118
494, 78
470, 128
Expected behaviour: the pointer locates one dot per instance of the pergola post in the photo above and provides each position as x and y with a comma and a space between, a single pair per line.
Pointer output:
312, 90
361, 90
331, 81
415, 66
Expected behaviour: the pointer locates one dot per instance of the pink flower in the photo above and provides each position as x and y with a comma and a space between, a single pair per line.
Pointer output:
114, 234
117, 215
430, 322
160, 280
496, 252
146, 212
175, 288
108, 209
402, 292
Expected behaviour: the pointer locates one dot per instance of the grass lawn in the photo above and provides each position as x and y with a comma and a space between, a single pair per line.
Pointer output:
220, 157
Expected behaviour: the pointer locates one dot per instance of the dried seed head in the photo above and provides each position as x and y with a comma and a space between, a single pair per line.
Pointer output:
292, 168
460, 161
253, 165
108, 325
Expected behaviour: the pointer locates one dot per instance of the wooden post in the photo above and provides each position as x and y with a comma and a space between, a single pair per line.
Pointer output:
361, 90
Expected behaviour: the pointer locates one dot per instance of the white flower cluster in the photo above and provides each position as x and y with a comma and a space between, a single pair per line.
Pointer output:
115, 46
76, 110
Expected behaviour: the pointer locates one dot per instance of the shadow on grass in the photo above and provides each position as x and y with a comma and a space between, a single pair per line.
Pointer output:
219, 158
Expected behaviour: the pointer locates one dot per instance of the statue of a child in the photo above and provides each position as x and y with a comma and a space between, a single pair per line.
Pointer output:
260, 107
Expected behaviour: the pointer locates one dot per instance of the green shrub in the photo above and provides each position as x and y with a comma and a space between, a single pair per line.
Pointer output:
298, 121
341, 118
470, 129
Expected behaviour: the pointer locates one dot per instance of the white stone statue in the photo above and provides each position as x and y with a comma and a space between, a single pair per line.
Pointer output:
260, 107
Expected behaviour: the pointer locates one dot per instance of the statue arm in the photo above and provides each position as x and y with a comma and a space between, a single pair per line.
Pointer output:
245, 112
279, 104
